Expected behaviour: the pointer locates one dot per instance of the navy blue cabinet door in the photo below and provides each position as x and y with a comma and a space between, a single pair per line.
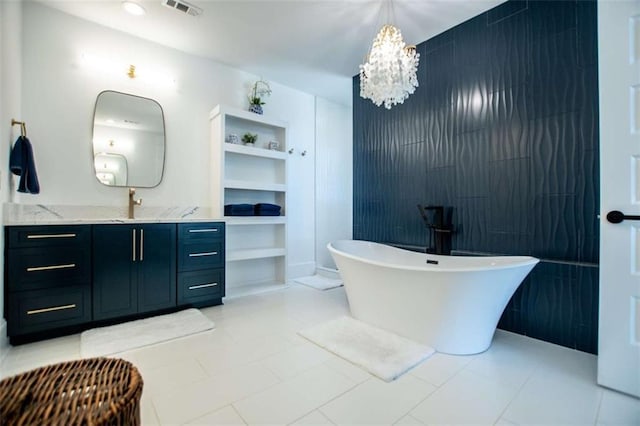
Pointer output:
157, 267
134, 269
115, 292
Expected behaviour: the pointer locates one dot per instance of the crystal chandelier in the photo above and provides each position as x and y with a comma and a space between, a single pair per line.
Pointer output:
389, 74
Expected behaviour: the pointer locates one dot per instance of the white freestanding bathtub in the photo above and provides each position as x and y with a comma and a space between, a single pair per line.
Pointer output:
453, 306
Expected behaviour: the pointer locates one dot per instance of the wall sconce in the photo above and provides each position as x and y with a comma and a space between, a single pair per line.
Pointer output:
115, 67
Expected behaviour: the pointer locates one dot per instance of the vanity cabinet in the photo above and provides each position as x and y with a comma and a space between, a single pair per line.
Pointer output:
65, 278
134, 269
47, 277
201, 274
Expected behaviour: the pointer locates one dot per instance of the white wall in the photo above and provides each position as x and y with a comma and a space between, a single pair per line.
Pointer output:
3, 126
334, 177
10, 77
43, 83
58, 97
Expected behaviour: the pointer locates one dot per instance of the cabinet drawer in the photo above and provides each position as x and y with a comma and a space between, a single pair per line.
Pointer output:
35, 268
192, 257
201, 231
200, 286
37, 310
48, 236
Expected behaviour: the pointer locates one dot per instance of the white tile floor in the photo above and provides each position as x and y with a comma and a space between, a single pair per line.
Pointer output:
254, 369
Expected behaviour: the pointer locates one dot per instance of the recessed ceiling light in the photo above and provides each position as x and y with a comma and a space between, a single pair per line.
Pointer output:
133, 8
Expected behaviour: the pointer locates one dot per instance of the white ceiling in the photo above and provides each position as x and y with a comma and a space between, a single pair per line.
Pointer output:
312, 45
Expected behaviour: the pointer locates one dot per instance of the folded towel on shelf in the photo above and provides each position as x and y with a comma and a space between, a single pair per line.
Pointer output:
22, 163
268, 213
266, 209
267, 206
238, 210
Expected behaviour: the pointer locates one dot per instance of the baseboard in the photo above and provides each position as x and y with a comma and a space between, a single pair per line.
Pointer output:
4, 340
328, 272
304, 269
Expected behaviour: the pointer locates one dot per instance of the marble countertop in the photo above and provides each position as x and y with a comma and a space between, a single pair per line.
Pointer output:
107, 221
38, 214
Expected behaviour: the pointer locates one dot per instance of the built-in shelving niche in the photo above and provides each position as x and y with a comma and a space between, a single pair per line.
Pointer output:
256, 250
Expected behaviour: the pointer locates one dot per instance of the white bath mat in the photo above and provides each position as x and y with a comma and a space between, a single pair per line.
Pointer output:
383, 354
319, 282
136, 334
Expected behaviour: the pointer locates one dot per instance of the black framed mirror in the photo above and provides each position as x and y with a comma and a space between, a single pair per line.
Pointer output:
128, 140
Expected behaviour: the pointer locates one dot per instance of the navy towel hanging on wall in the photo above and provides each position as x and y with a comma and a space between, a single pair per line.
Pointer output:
23, 164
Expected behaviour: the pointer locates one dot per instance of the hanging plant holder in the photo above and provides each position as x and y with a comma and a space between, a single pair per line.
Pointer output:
259, 90
257, 108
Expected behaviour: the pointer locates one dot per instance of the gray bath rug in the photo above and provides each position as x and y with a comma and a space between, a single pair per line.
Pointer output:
319, 282
381, 353
136, 334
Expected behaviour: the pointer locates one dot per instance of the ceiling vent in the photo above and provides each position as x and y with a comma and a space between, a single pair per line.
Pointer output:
183, 7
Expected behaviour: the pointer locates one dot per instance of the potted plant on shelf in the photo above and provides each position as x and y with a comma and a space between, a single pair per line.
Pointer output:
259, 90
249, 139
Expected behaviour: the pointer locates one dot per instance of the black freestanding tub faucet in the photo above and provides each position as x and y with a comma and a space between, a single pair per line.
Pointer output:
439, 227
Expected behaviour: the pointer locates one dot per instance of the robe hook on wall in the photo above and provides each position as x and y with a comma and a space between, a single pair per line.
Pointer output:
23, 126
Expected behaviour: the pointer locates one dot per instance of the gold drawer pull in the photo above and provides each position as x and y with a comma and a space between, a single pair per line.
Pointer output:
203, 230
36, 237
195, 287
55, 308
208, 253
48, 268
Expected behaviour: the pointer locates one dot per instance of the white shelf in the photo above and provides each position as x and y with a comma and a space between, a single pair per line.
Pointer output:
235, 255
256, 288
256, 152
256, 246
255, 186
246, 115
255, 220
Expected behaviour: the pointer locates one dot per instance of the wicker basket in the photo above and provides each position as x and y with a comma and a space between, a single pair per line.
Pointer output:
94, 391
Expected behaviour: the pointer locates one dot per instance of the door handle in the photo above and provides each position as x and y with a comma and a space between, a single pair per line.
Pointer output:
209, 253
50, 268
616, 216
52, 309
133, 244
195, 287
33, 237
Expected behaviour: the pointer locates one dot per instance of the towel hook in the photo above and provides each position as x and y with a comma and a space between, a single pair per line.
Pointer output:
23, 126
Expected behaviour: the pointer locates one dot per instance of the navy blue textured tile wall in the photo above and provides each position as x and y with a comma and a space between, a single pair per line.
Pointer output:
586, 21
437, 79
504, 129
556, 294
506, 10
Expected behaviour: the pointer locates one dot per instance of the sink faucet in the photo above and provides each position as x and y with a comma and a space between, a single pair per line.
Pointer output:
132, 202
